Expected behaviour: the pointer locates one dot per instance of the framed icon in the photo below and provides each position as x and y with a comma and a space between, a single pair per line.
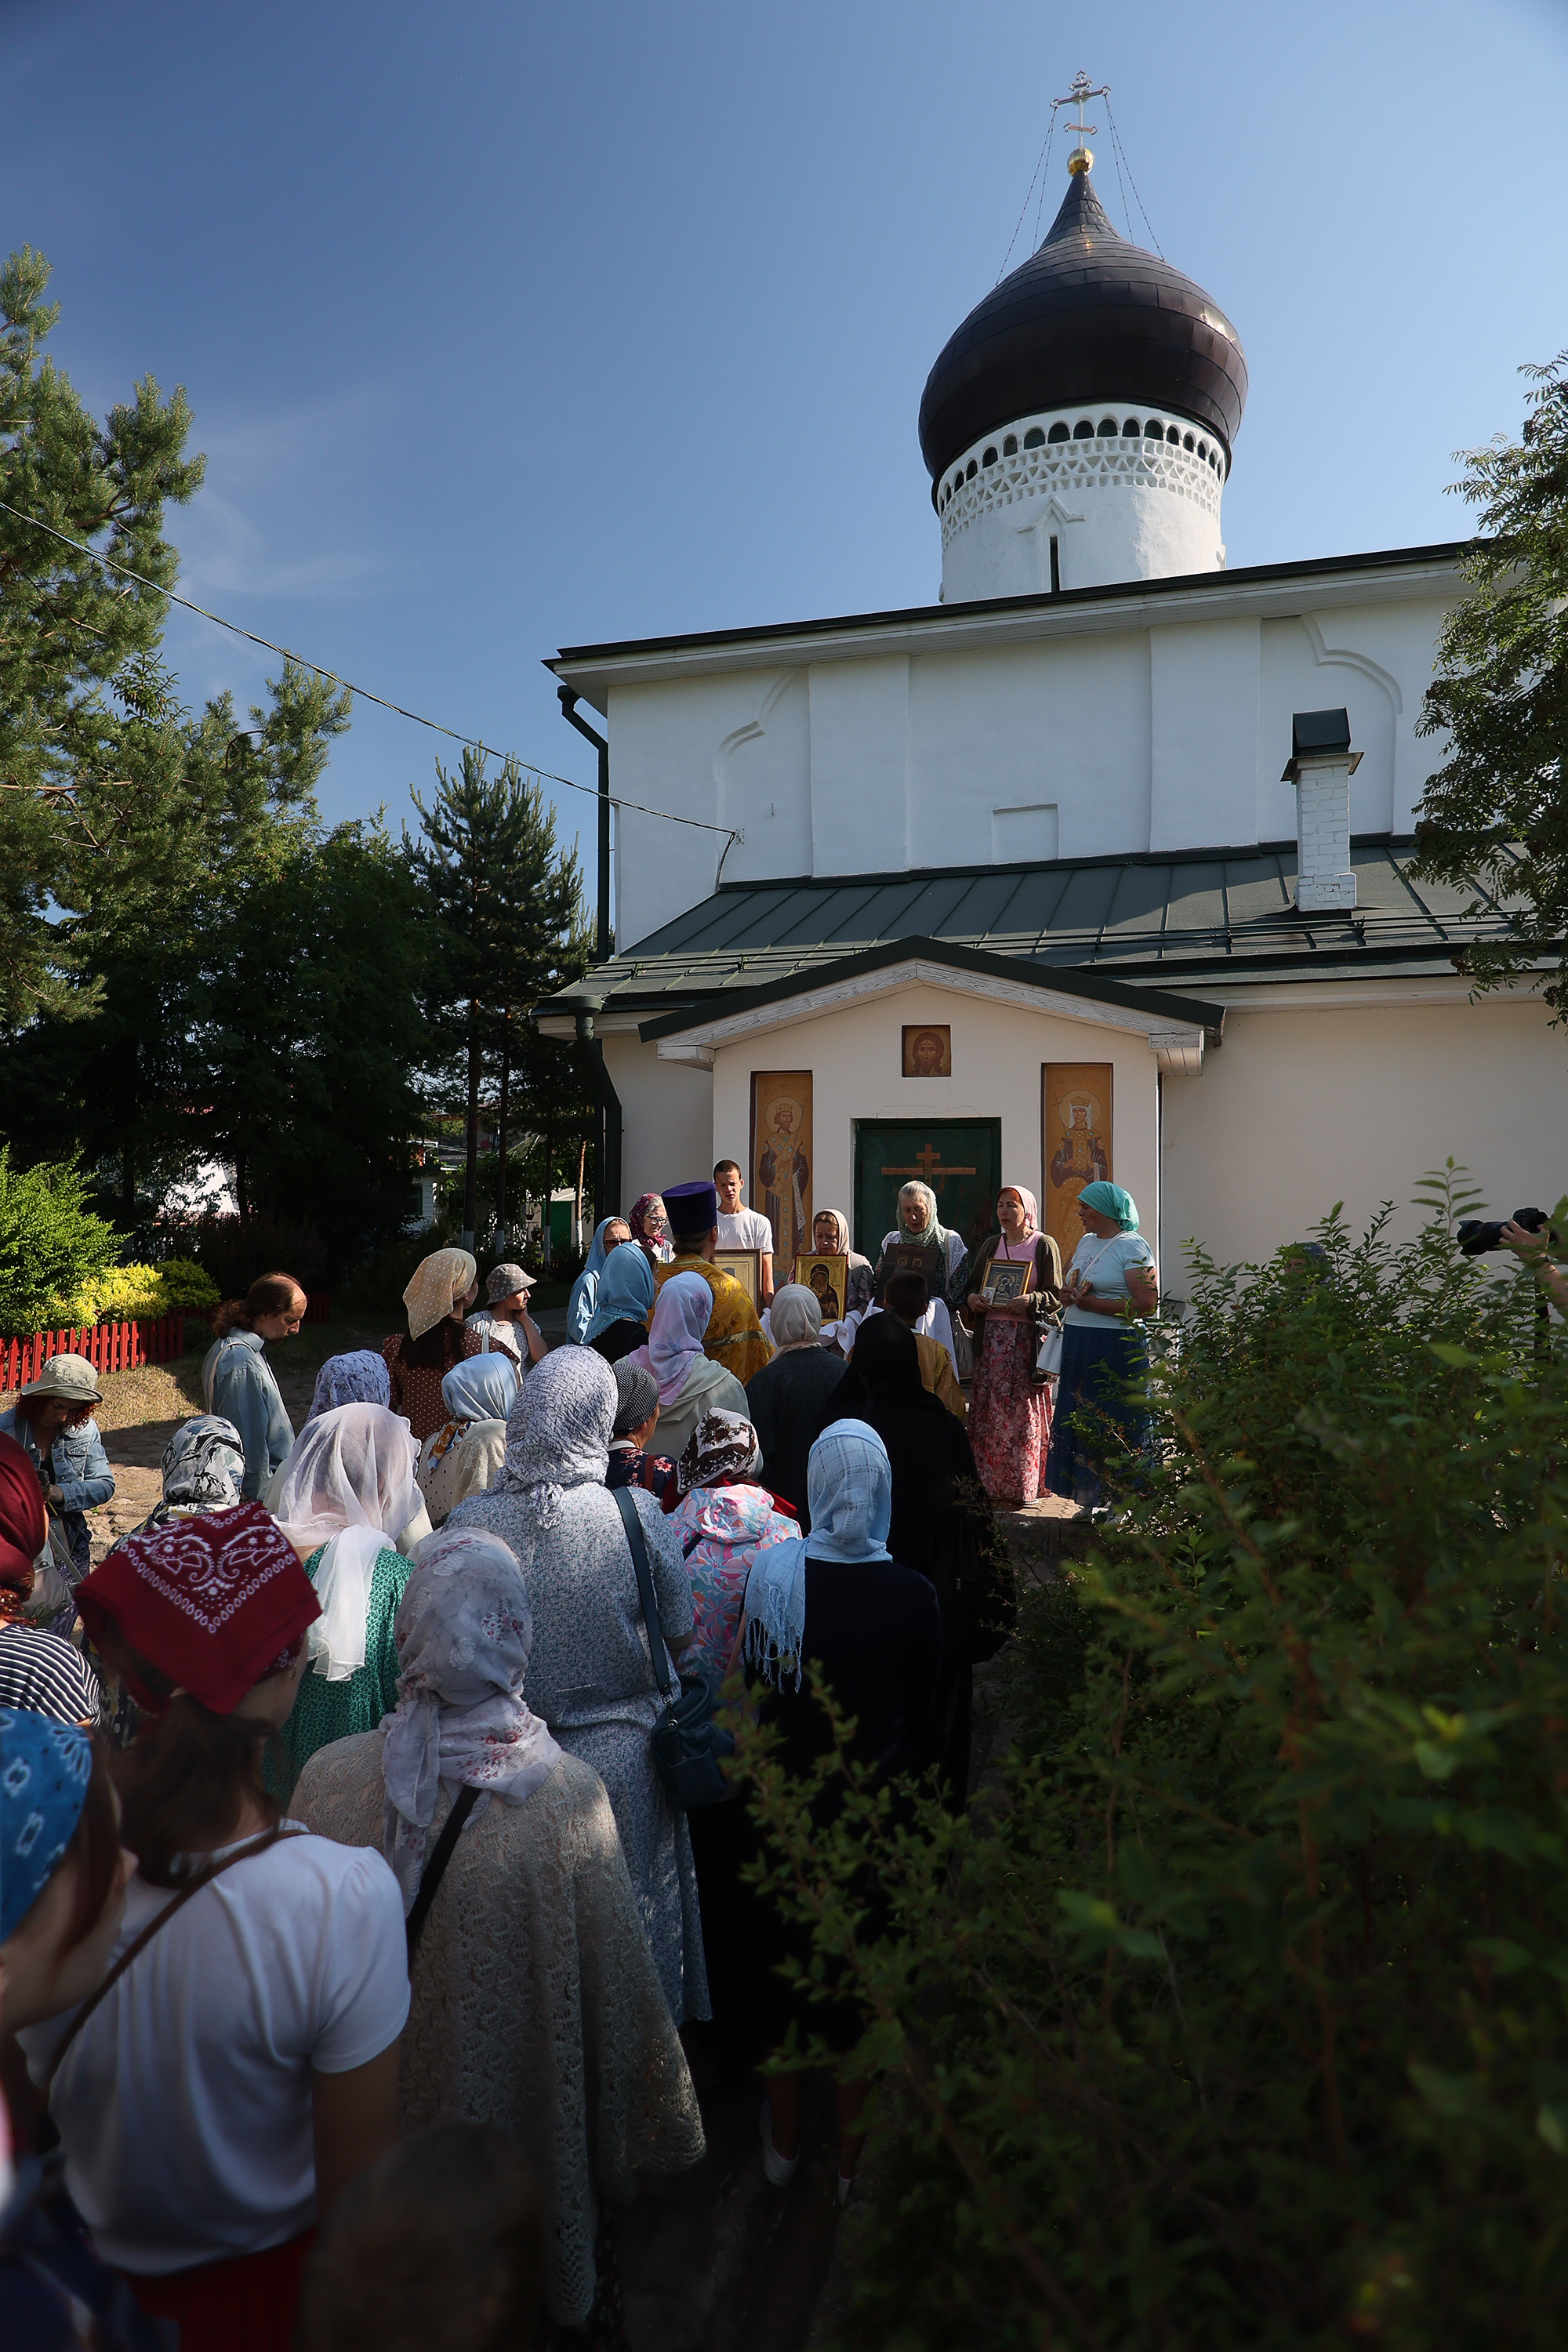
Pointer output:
928, 1050
906, 1257
1005, 1280
828, 1278
744, 1267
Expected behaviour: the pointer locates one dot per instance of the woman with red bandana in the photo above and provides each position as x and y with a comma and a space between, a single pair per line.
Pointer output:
239, 2064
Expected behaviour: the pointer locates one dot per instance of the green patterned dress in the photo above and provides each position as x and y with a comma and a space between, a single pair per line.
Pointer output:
326, 1711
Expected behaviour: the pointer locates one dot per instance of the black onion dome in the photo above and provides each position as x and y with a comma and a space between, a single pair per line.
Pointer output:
1088, 317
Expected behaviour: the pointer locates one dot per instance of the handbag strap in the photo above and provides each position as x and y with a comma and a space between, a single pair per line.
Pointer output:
655, 1631
139, 1944
435, 1869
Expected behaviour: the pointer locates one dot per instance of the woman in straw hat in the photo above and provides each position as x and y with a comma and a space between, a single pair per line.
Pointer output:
52, 1421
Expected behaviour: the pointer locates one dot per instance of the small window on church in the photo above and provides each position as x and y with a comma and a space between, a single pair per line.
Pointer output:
1131, 430
1204, 451
1034, 440
1107, 427
1083, 430
990, 457
1173, 435
1010, 447
972, 468
1187, 439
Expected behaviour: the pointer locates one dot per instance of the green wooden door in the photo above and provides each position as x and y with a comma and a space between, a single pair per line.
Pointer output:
960, 1159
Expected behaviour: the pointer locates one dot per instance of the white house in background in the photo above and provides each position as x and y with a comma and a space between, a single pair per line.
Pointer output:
1102, 861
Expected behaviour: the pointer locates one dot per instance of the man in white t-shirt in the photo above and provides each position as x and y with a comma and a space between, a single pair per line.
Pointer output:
741, 1228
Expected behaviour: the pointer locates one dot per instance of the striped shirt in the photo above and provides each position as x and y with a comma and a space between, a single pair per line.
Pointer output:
46, 1675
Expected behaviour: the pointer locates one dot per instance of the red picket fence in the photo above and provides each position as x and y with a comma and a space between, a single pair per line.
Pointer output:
108, 1347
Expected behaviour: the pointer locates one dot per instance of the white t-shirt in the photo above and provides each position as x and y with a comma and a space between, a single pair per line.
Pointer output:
1104, 1266
185, 2102
747, 1229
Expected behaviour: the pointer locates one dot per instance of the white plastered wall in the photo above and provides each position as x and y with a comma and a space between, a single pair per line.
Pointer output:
667, 1117
1305, 1107
854, 1055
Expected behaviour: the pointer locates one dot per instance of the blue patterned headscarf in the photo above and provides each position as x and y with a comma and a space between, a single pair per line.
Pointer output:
359, 1378
1110, 1201
45, 1768
626, 1291
849, 1492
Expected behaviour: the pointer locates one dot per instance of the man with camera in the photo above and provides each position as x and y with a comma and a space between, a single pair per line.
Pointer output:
1530, 1242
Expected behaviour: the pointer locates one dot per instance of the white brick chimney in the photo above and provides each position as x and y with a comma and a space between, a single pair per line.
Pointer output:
1320, 766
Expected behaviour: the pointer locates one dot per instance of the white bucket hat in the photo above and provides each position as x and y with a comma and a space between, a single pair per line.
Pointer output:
70, 1378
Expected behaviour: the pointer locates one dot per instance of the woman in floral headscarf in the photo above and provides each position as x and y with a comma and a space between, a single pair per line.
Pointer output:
445, 1286
1009, 1405
589, 1676
535, 2002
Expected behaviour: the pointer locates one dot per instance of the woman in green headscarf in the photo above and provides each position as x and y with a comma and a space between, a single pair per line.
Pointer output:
1112, 1284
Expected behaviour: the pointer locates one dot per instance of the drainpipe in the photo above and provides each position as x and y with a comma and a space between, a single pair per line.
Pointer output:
569, 712
607, 1146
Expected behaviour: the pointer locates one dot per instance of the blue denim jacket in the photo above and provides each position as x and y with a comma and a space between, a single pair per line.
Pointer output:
81, 1470
237, 1383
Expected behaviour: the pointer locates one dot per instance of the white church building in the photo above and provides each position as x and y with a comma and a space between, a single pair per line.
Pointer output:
1101, 863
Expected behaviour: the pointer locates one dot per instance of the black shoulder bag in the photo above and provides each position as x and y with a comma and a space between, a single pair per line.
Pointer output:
686, 1742
430, 1878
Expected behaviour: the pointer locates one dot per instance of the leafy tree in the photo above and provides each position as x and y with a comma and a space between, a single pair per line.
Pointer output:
1496, 812
68, 629
1234, 2015
185, 811
305, 1031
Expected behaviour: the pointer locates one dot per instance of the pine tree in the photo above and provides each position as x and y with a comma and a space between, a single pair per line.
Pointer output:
508, 907
1494, 817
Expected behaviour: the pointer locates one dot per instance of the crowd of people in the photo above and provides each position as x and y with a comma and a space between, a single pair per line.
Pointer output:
340, 1832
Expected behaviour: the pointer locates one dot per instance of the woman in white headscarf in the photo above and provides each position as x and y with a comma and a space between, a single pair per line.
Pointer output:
591, 1674
536, 2006
690, 1382
834, 1602
349, 1487
463, 1455
788, 1401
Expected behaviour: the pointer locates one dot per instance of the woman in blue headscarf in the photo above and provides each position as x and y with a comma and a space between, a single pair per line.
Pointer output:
624, 1301
1111, 1283
584, 1297
462, 1456
832, 1604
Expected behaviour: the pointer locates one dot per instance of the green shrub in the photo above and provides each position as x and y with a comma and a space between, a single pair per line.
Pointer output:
198, 1336
186, 1288
1236, 2015
51, 1245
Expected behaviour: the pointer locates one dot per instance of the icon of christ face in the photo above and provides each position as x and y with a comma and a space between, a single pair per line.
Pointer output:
928, 1054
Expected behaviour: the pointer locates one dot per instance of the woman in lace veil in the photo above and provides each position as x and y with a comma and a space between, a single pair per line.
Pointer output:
590, 1675
536, 2005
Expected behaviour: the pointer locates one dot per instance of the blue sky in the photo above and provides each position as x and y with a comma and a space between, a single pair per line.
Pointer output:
508, 327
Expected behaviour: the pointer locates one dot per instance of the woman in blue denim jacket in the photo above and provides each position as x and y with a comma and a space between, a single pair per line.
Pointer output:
52, 1421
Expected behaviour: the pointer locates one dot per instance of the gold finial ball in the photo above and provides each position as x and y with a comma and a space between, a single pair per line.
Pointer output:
1080, 160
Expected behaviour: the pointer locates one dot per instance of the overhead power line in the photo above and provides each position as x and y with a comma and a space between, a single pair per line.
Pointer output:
362, 693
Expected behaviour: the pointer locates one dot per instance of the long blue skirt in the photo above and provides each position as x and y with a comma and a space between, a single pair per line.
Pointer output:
1102, 1373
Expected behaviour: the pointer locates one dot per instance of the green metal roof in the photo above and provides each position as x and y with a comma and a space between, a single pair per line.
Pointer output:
1165, 922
